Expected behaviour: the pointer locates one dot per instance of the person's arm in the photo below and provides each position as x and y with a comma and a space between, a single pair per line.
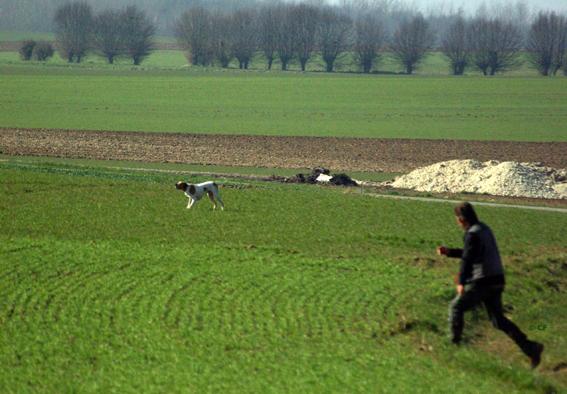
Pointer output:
450, 252
469, 255
454, 253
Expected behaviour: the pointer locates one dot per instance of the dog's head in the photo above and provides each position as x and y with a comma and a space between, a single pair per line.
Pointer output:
181, 185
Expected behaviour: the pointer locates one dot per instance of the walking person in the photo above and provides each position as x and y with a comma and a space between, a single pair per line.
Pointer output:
481, 280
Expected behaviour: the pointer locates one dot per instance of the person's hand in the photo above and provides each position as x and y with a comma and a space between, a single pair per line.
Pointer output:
442, 250
460, 289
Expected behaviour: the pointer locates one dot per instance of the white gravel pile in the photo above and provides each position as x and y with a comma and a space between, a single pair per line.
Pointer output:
507, 178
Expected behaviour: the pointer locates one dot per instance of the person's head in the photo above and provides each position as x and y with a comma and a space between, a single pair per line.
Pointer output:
465, 215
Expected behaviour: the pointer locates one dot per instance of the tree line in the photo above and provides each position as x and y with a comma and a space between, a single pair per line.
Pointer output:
493, 45
489, 42
111, 33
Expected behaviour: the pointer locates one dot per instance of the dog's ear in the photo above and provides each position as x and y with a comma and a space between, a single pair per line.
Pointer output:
180, 185
192, 189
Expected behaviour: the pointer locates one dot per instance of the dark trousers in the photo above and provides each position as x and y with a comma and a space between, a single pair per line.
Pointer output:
491, 297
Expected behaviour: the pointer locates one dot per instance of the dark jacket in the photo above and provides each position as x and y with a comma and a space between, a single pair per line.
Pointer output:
480, 259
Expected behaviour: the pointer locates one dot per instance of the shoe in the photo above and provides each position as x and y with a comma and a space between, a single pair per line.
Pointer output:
535, 355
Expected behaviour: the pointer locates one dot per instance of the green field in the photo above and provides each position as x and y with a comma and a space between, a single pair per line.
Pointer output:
165, 94
433, 64
313, 104
109, 284
180, 169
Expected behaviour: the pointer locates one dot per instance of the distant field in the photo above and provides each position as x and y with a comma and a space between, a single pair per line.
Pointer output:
38, 36
313, 104
109, 284
162, 59
434, 64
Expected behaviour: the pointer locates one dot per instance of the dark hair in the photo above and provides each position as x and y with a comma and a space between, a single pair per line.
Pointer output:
466, 211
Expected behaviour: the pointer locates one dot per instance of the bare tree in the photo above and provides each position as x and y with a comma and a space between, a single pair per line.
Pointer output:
244, 36
73, 27
42, 51
268, 33
547, 42
305, 20
108, 37
456, 46
285, 35
194, 31
221, 40
368, 41
495, 45
412, 40
334, 35
138, 33
26, 49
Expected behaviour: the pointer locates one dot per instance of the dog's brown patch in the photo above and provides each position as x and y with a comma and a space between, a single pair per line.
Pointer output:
180, 185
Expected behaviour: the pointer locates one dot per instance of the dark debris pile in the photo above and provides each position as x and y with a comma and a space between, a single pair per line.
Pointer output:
313, 178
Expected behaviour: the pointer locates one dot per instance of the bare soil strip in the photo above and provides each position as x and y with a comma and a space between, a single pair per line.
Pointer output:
339, 154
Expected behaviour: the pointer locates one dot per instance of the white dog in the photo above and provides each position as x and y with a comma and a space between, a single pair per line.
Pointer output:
196, 192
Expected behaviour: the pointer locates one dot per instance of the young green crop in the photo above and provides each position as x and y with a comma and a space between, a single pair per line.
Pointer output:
109, 284
521, 109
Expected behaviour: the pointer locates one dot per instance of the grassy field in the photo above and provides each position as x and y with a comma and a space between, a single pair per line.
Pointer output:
8, 35
314, 104
109, 284
184, 169
434, 64
165, 94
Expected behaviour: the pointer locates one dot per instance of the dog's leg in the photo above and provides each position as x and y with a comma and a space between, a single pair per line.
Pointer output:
220, 202
212, 198
190, 204
216, 195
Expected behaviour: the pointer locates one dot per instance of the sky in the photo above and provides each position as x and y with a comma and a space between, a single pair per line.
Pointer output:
472, 5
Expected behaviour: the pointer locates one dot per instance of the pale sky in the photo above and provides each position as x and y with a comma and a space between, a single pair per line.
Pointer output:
472, 5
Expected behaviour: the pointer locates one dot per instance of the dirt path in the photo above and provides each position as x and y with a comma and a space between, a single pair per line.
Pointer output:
348, 154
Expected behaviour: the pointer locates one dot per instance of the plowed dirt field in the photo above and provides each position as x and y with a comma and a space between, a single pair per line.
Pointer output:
347, 154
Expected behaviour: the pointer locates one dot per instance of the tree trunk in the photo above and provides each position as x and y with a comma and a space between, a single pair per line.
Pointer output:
303, 62
270, 61
330, 64
458, 69
366, 66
